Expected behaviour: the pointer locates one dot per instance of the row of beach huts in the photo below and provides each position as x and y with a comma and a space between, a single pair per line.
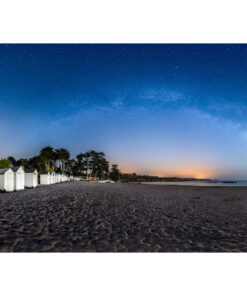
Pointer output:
18, 178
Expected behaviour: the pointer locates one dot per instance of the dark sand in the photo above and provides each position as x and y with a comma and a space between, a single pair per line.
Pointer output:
87, 217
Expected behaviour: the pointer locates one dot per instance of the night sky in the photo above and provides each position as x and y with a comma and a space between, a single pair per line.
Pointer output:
167, 110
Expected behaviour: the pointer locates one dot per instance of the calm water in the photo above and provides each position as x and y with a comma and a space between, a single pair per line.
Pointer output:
199, 183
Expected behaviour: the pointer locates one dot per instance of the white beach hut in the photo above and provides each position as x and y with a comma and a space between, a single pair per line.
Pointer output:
63, 178
19, 178
31, 178
7, 179
45, 178
53, 177
57, 178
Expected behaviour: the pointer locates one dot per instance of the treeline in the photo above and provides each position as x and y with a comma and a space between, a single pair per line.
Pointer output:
145, 178
91, 164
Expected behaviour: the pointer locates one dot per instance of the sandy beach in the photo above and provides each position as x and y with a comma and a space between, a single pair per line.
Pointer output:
87, 217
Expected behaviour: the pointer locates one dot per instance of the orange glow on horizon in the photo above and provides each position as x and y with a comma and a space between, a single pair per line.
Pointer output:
179, 175
197, 173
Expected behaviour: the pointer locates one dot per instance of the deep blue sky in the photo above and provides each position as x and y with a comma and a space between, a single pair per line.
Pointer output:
156, 109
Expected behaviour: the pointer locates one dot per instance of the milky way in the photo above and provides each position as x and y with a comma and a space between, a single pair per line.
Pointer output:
154, 109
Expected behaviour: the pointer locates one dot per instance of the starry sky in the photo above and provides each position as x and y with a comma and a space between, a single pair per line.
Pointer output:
160, 109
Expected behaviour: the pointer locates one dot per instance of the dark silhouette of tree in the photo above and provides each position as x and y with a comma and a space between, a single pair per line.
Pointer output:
36, 163
71, 166
22, 162
104, 169
62, 156
81, 165
47, 156
84, 161
91, 163
98, 166
115, 173
12, 160
5, 163
95, 162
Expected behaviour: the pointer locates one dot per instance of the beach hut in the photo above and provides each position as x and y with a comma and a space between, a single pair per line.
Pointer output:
63, 178
7, 179
53, 177
19, 178
31, 178
58, 178
45, 178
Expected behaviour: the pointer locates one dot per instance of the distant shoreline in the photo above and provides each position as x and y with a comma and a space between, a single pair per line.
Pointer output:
196, 184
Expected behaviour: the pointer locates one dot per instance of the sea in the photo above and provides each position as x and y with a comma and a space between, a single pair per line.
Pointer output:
200, 183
